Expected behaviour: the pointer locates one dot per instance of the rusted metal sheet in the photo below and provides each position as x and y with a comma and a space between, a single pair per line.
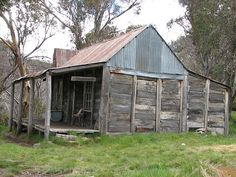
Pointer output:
103, 51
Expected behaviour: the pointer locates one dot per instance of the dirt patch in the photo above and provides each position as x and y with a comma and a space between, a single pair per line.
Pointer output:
224, 171
220, 148
17, 140
29, 174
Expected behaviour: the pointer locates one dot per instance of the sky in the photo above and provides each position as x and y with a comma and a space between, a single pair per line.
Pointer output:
155, 12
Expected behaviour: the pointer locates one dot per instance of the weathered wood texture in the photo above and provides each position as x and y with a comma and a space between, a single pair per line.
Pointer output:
104, 104
196, 95
120, 103
31, 107
145, 108
170, 106
10, 123
207, 101
20, 109
48, 105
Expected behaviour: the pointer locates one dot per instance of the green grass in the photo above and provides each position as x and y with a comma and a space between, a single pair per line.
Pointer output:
140, 155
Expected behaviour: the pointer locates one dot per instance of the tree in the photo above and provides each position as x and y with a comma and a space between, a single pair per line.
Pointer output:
212, 28
73, 15
24, 20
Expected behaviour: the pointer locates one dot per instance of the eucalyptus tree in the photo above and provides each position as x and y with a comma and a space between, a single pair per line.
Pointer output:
76, 15
25, 26
211, 25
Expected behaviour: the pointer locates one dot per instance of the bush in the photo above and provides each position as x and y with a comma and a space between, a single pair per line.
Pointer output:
3, 119
234, 105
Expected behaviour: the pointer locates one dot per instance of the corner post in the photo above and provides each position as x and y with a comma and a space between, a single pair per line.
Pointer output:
134, 91
48, 105
10, 123
226, 112
31, 107
207, 89
19, 116
185, 104
158, 105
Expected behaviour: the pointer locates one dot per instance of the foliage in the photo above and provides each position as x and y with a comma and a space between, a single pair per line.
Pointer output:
74, 15
124, 155
232, 123
211, 26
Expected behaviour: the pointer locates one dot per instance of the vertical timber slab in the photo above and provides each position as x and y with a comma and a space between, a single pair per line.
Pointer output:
185, 104
158, 105
73, 105
48, 105
19, 116
31, 107
226, 112
104, 104
92, 104
10, 123
181, 90
207, 89
134, 95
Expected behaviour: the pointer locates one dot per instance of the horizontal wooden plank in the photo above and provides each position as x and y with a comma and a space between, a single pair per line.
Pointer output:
116, 98
192, 124
119, 108
142, 128
121, 88
145, 94
196, 100
196, 106
148, 86
169, 123
196, 94
215, 123
121, 79
216, 98
145, 116
120, 117
146, 101
83, 79
196, 118
170, 115
144, 108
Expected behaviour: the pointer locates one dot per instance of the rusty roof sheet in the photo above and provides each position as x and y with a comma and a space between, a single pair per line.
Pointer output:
102, 52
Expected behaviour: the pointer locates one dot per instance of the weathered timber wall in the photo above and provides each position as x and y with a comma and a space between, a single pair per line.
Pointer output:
120, 103
137, 110
196, 101
145, 105
171, 109
208, 104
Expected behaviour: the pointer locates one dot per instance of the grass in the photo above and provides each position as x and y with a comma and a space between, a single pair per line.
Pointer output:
138, 155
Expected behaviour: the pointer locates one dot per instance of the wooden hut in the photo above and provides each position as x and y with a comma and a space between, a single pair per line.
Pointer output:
132, 83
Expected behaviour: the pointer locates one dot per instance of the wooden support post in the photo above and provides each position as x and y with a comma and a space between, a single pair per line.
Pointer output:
207, 89
226, 100
134, 95
10, 123
48, 105
73, 106
31, 107
105, 101
92, 103
181, 85
158, 105
19, 116
185, 104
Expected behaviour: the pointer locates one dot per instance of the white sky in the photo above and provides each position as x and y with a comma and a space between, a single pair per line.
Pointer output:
155, 12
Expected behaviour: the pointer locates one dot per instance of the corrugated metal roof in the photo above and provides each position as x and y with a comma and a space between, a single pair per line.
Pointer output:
102, 52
